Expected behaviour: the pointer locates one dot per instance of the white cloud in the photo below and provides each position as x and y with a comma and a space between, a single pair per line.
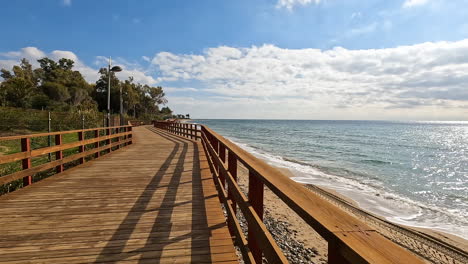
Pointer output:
412, 3
180, 89
67, 2
32, 54
424, 80
289, 4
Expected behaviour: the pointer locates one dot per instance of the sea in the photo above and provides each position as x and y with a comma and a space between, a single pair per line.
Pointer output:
411, 173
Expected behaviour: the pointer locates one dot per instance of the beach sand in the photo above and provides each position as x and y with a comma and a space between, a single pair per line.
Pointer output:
303, 234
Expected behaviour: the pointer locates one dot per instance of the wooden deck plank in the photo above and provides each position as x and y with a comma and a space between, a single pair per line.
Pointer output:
151, 202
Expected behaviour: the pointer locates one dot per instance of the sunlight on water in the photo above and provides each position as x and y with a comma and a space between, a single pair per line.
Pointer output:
414, 173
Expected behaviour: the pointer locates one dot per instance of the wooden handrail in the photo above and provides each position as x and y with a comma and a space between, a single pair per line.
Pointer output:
59, 133
349, 239
121, 134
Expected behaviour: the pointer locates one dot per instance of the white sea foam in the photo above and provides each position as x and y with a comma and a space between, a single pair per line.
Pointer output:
372, 198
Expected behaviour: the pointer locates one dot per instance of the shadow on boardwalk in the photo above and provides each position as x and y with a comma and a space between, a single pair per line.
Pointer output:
160, 234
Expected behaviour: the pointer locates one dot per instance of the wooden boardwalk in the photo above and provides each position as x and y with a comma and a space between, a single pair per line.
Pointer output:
151, 202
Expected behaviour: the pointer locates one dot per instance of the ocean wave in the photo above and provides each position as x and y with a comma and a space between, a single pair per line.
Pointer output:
372, 161
370, 194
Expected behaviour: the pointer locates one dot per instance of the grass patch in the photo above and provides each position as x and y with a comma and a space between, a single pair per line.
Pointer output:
8, 147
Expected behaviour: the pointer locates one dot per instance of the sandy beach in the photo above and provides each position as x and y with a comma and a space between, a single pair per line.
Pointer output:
300, 237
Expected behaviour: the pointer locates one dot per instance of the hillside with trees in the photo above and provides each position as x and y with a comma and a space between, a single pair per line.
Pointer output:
56, 86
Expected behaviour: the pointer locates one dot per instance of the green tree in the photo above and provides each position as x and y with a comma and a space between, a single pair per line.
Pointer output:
130, 96
63, 85
100, 91
18, 87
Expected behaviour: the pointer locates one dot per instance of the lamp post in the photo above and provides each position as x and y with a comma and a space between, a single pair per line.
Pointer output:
113, 69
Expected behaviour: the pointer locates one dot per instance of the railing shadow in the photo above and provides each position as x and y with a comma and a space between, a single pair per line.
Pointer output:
160, 234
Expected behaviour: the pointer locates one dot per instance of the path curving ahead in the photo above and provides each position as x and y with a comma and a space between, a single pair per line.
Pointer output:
151, 202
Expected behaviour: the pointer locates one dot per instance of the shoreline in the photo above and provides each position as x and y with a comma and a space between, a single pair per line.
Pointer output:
304, 235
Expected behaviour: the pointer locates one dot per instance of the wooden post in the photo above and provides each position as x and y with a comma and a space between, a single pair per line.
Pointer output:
215, 144
334, 256
96, 145
222, 156
232, 168
191, 131
256, 200
117, 131
58, 154
108, 141
124, 129
81, 148
49, 137
131, 135
26, 163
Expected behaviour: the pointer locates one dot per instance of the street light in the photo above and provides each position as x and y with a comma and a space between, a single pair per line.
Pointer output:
113, 69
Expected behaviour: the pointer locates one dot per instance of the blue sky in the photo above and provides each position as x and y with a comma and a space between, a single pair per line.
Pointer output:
307, 59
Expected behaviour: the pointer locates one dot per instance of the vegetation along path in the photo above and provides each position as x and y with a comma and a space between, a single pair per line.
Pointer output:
151, 202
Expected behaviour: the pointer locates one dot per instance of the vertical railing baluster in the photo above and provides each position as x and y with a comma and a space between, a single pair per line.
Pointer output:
232, 168
26, 163
81, 148
194, 131
124, 129
131, 135
334, 256
108, 141
59, 153
215, 144
117, 130
191, 131
222, 156
96, 145
256, 200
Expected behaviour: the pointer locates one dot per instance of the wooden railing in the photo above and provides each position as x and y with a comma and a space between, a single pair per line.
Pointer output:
182, 129
99, 143
349, 239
